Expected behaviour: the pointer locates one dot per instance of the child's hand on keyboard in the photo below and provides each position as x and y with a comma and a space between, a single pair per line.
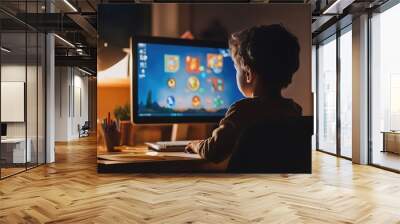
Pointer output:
192, 147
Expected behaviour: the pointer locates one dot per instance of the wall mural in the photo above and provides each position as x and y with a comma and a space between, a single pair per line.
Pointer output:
195, 77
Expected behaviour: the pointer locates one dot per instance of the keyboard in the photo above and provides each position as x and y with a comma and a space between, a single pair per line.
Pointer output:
168, 146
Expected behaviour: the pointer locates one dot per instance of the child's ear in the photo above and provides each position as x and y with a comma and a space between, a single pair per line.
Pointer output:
249, 76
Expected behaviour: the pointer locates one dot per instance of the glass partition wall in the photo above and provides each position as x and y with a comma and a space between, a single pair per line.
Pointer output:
326, 94
22, 77
385, 89
334, 94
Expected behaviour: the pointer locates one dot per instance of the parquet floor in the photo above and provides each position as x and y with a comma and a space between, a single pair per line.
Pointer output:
71, 191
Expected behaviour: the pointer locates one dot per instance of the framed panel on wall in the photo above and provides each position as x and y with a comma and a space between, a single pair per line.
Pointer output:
13, 98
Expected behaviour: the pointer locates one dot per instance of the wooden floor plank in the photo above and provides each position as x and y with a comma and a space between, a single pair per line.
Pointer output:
71, 191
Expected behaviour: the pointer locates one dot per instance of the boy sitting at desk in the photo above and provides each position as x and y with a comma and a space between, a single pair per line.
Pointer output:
265, 58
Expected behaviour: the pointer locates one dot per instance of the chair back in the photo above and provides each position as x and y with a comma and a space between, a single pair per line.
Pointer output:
274, 146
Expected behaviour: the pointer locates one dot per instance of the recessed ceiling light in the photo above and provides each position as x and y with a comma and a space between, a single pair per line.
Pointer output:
70, 5
337, 7
65, 41
84, 71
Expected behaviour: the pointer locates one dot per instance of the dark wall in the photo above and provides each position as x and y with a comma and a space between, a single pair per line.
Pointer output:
116, 24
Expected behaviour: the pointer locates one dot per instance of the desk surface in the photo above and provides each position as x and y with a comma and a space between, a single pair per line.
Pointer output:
141, 154
390, 132
142, 159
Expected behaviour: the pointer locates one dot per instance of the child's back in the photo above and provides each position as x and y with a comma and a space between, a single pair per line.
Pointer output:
241, 115
266, 58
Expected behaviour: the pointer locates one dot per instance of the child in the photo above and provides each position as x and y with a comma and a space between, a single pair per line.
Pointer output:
265, 58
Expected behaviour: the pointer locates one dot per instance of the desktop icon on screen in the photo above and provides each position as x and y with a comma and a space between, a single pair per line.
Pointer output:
193, 64
171, 63
218, 102
215, 62
196, 101
193, 83
217, 84
171, 83
170, 101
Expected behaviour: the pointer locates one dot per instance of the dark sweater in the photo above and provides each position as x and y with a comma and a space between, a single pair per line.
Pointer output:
241, 115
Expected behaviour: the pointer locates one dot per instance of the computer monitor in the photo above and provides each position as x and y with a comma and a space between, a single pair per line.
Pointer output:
181, 80
3, 130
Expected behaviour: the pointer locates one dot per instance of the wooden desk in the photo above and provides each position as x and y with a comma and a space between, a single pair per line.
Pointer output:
391, 141
13, 150
140, 159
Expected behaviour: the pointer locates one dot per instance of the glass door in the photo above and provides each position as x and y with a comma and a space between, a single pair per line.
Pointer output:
326, 96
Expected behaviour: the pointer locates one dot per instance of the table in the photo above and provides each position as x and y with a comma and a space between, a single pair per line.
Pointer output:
141, 159
13, 150
391, 141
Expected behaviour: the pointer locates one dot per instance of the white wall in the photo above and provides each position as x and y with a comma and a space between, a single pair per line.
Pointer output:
62, 82
71, 102
80, 112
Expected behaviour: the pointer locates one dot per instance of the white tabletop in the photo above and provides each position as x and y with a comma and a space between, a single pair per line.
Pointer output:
13, 140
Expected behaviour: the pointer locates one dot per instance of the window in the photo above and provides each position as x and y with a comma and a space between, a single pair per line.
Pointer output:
334, 94
385, 89
346, 93
326, 95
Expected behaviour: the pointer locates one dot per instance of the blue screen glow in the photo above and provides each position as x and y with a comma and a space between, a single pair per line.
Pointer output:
180, 80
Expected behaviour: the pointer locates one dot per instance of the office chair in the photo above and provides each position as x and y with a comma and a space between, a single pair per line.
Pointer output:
274, 146
84, 130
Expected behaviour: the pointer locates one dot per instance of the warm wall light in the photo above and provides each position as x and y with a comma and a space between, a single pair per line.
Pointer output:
119, 70
64, 40
70, 5
5, 50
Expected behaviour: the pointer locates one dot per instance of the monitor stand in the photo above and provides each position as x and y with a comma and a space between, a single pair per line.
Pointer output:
179, 132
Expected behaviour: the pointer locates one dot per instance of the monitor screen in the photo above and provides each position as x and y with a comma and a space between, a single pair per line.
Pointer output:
182, 80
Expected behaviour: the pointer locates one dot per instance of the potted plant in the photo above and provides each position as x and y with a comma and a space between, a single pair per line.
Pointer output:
123, 116
122, 113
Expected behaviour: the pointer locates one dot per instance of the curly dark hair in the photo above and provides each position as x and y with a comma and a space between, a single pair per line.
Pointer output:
271, 51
